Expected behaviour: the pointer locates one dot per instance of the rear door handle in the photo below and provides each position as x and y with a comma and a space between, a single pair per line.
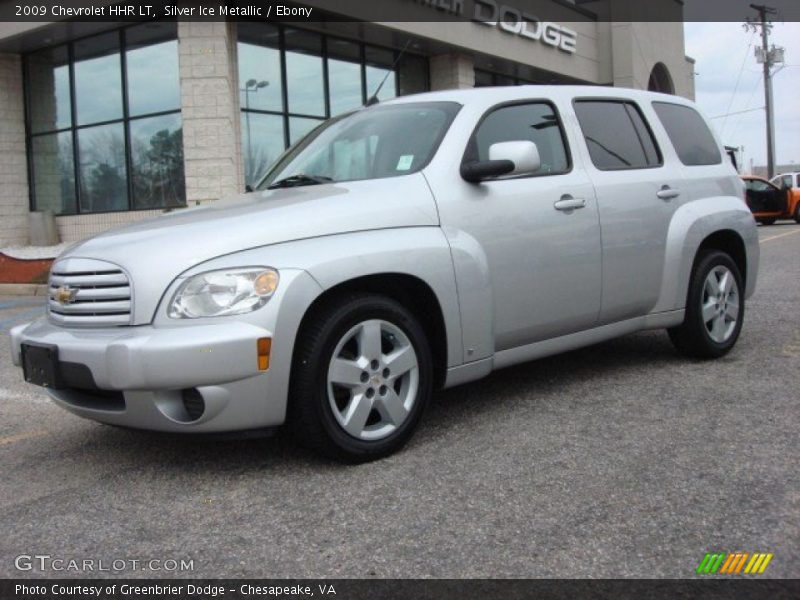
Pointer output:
667, 193
569, 203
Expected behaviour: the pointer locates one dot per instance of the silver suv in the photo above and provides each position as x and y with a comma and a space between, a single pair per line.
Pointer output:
405, 247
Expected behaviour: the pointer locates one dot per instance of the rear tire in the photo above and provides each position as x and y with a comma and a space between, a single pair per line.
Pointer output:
714, 308
797, 213
361, 379
770, 221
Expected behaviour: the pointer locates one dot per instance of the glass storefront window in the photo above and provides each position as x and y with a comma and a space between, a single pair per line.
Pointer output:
262, 141
260, 84
103, 177
84, 134
98, 79
151, 58
299, 126
305, 81
324, 76
379, 71
157, 162
412, 75
344, 76
489, 79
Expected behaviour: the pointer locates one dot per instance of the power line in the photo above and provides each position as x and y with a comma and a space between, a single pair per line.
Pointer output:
738, 80
739, 112
747, 104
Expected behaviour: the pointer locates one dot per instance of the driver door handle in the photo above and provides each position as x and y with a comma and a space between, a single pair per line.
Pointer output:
667, 193
567, 202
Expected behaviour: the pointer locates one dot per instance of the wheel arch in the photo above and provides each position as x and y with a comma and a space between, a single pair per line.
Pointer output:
729, 242
412, 293
722, 223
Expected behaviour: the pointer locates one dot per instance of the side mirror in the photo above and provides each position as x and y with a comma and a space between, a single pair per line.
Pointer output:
505, 158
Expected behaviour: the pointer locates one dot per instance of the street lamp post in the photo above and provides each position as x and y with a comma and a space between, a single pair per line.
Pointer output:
251, 86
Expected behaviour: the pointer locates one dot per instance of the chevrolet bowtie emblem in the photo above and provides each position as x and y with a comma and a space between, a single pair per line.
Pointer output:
65, 295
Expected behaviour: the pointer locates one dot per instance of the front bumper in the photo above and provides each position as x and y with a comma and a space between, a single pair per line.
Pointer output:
141, 373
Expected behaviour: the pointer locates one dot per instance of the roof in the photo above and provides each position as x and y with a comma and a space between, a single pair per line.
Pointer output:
510, 93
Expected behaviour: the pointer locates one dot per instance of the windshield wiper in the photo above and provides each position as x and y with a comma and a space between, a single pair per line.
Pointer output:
298, 180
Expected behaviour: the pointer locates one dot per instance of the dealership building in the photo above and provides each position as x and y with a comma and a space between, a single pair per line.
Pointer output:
104, 123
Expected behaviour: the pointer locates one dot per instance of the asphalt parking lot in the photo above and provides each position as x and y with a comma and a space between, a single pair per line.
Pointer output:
620, 460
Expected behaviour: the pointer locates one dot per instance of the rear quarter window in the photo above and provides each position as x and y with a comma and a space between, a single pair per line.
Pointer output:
689, 134
616, 135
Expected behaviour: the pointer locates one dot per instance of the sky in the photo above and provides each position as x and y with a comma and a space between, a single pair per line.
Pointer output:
729, 80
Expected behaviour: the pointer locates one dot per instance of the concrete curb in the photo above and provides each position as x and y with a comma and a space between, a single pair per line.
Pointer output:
23, 289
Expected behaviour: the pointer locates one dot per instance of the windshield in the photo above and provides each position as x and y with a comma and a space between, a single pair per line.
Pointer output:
372, 143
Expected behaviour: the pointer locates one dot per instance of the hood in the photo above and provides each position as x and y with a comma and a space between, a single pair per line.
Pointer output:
159, 249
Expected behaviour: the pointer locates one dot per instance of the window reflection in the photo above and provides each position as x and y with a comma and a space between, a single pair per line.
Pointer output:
299, 126
98, 84
304, 77
260, 78
344, 76
379, 70
157, 162
152, 68
48, 85
412, 74
103, 177
262, 143
153, 145
270, 120
54, 173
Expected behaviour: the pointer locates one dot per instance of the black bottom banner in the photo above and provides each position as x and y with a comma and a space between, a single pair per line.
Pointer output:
416, 589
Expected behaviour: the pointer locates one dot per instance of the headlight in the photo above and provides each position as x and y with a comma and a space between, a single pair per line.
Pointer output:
221, 293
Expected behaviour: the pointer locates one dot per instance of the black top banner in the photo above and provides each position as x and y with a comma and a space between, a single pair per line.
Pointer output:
509, 11
385, 589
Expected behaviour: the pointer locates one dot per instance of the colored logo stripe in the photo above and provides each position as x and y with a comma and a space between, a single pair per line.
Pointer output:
711, 562
758, 563
734, 563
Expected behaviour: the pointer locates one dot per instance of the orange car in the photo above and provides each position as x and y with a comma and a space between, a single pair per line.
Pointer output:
768, 202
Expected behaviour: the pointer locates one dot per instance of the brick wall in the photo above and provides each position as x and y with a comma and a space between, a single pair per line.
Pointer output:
74, 228
13, 165
210, 108
452, 72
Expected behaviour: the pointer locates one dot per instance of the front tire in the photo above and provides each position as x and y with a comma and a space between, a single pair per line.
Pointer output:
361, 379
797, 213
714, 308
769, 221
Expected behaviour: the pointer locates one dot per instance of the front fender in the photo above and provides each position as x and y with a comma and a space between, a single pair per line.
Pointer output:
691, 224
421, 252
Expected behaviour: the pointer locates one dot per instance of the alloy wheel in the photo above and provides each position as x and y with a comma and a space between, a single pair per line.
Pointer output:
373, 379
720, 304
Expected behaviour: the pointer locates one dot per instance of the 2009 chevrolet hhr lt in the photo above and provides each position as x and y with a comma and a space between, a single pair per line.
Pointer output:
408, 246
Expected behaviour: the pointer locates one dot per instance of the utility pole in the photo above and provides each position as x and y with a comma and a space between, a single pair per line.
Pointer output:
768, 57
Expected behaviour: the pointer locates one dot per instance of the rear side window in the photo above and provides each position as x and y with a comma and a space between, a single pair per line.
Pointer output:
536, 122
689, 134
617, 135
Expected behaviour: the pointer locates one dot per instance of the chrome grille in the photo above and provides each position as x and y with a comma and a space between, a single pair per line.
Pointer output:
88, 293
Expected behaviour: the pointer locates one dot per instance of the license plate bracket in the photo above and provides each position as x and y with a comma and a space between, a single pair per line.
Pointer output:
40, 365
